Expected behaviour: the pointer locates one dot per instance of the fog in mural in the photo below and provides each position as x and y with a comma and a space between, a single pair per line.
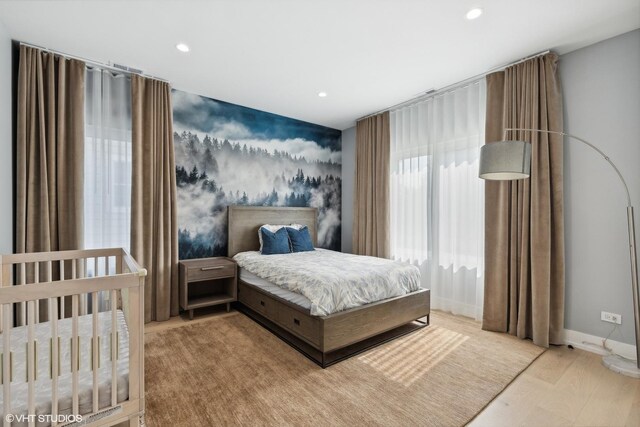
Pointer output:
232, 155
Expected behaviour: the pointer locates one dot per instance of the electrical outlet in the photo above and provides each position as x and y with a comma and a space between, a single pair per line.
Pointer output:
611, 317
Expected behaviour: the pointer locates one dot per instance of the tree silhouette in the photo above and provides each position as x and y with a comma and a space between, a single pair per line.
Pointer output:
193, 176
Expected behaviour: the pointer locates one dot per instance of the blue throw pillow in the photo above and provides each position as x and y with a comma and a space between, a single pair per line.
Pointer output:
300, 239
275, 243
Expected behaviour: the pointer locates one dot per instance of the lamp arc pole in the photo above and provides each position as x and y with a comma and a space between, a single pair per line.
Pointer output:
632, 244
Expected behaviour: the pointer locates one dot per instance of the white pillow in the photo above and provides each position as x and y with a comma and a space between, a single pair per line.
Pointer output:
268, 227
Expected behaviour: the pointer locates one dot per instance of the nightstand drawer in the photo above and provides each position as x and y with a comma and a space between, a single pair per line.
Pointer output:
196, 274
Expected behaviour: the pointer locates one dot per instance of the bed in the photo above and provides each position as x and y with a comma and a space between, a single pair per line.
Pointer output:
327, 338
71, 336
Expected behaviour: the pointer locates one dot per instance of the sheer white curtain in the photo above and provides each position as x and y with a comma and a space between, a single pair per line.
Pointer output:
107, 194
437, 199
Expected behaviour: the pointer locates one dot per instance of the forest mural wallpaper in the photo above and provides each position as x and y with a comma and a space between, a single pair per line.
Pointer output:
227, 154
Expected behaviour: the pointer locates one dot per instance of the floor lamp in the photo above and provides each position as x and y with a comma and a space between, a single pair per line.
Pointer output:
510, 160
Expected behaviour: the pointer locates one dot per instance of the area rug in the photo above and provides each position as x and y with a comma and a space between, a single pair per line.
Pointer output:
230, 371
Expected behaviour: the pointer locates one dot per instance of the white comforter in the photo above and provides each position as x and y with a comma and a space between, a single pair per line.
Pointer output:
333, 281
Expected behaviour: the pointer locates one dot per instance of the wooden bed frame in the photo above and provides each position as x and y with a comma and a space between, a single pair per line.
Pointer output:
59, 280
324, 339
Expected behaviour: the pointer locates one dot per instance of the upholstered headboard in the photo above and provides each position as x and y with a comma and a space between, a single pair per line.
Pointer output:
244, 222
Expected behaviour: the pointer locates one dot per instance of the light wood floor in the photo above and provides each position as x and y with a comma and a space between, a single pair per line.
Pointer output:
562, 387
565, 387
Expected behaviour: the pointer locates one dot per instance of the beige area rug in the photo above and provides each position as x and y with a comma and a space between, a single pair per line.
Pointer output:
231, 371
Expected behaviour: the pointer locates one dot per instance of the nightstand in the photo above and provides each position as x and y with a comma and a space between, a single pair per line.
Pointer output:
207, 281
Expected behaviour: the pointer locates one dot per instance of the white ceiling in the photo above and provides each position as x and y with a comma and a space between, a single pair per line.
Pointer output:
276, 55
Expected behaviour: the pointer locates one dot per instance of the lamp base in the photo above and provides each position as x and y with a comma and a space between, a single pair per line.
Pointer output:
622, 365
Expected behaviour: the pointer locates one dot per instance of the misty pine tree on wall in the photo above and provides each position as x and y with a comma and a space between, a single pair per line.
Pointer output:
231, 155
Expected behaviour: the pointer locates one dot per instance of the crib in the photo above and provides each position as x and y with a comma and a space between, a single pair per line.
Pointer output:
71, 338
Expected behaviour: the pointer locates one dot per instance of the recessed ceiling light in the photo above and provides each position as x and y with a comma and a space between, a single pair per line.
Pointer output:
182, 47
474, 13
322, 94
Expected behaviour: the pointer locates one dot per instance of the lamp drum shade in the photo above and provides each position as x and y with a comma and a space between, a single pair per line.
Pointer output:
505, 160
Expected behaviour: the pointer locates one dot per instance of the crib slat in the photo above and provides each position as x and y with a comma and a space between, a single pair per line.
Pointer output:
120, 264
32, 307
95, 366
107, 272
114, 349
84, 298
7, 361
36, 279
75, 353
62, 278
23, 305
54, 357
96, 267
49, 279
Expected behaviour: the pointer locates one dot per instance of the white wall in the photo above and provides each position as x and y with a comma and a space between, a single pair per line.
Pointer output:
348, 178
601, 88
6, 193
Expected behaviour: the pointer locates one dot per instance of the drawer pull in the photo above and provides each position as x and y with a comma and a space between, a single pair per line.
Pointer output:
219, 267
262, 303
296, 321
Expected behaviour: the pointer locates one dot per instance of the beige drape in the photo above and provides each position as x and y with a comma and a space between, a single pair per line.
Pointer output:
50, 152
49, 157
154, 232
524, 226
371, 199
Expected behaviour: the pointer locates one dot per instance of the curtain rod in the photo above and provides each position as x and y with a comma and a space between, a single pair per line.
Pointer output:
457, 85
92, 63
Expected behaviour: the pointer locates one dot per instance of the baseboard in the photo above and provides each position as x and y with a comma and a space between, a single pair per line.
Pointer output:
456, 307
593, 344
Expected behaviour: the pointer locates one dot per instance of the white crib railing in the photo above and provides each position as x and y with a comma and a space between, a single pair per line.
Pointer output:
71, 288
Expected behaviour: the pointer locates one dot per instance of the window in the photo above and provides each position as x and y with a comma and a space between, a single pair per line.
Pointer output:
107, 187
437, 199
